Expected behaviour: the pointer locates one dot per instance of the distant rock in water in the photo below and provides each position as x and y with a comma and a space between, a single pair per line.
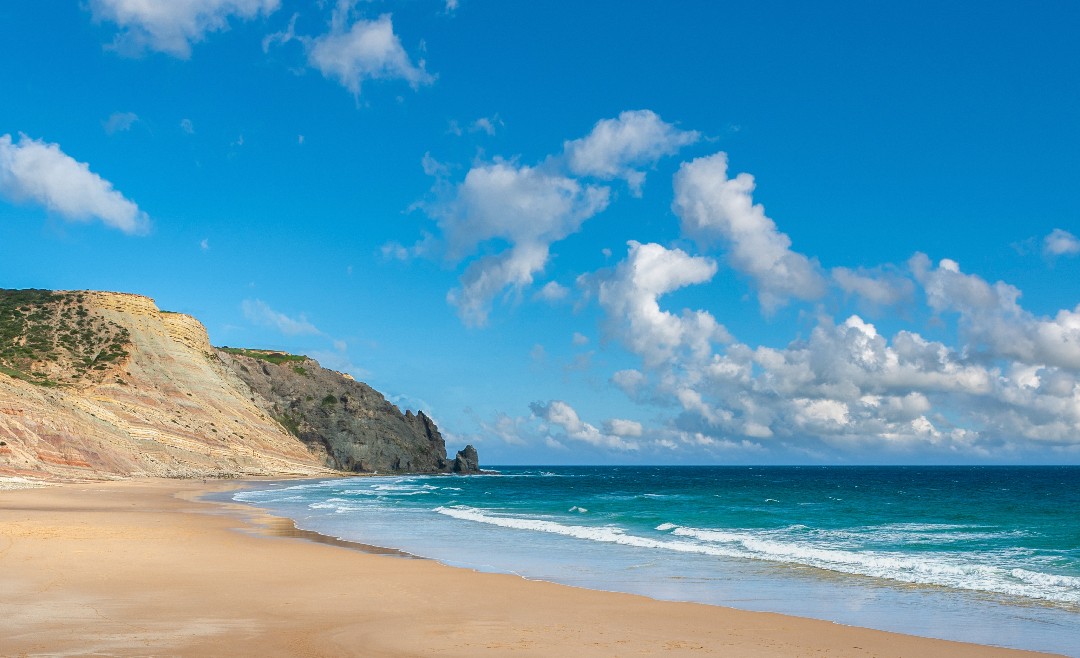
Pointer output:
349, 422
467, 461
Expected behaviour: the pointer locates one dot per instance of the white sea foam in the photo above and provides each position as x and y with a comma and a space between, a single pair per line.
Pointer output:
398, 486
510, 476
608, 533
945, 569
287, 493
908, 534
953, 570
338, 507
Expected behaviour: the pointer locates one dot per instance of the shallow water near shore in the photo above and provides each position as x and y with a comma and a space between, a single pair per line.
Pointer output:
977, 554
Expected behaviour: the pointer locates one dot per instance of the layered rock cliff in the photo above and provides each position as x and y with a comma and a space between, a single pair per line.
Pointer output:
99, 383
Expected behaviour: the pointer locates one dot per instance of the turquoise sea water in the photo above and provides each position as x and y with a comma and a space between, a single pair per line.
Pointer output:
982, 554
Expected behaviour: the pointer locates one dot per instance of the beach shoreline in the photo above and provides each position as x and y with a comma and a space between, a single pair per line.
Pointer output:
136, 566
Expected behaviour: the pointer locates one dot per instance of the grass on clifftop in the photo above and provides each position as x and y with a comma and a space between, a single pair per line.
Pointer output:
277, 358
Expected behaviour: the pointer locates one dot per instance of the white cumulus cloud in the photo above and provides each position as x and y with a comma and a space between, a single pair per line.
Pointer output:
621, 147
623, 427
484, 278
1014, 377
629, 295
1060, 242
527, 207
518, 204
1004, 381
504, 217
365, 50
552, 292
39, 172
992, 319
172, 26
713, 206
565, 417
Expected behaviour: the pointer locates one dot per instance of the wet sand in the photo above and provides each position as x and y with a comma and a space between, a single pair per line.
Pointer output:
143, 567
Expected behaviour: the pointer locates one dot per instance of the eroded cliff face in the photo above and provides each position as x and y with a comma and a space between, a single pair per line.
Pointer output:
106, 384
350, 423
103, 383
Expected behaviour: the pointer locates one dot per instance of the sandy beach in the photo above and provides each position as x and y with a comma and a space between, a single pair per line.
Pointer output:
137, 568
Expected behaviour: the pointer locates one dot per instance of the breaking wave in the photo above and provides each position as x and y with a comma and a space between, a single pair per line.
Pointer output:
799, 546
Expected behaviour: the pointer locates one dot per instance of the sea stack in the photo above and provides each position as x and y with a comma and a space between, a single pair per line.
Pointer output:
467, 461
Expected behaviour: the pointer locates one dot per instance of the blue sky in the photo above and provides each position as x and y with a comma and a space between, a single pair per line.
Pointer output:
602, 232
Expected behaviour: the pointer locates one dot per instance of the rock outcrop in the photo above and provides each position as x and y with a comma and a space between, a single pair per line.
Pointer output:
350, 423
99, 384
466, 461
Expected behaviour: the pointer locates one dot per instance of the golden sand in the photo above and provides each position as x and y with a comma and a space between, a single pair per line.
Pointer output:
138, 568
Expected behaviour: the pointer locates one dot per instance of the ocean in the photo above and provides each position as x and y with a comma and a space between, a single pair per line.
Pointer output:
978, 554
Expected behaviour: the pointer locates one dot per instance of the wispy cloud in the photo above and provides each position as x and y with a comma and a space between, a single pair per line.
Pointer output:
259, 312
879, 287
487, 125
119, 122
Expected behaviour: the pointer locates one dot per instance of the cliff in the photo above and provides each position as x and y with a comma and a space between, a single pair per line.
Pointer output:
350, 423
107, 384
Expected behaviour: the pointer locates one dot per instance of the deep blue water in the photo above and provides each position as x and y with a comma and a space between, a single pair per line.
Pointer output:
984, 554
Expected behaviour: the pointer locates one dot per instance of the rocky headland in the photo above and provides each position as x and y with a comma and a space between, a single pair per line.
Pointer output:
103, 384
351, 424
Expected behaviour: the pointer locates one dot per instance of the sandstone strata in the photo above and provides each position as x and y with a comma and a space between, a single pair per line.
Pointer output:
108, 384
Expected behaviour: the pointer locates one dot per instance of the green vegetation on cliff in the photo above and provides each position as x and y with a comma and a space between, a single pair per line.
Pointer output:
277, 358
50, 338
